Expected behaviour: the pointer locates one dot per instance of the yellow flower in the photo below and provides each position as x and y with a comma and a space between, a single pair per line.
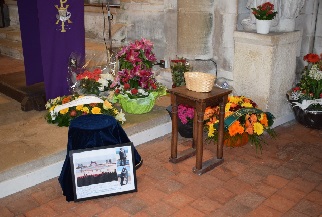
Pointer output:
85, 109
52, 108
234, 99
79, 107
115, 111
258, 128
96, 110
107, 105
247, 105
211, 130
64, 111
227, 107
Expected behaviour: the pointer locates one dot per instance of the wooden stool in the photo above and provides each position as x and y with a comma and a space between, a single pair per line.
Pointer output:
199, 101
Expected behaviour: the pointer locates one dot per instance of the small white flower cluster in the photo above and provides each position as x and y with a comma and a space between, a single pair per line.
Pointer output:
105, 80
315, 73
295, 95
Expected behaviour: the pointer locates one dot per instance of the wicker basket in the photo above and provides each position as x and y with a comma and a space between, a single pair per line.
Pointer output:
199, 81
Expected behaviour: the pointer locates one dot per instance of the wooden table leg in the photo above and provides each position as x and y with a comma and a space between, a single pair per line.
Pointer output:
221, 129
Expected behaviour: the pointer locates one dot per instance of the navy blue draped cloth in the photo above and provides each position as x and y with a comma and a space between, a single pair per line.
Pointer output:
50, 32
91, 131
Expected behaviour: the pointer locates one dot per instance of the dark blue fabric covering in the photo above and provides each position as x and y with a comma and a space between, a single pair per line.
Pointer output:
90, 131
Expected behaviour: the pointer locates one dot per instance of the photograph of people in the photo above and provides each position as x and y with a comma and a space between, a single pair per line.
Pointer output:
122, 154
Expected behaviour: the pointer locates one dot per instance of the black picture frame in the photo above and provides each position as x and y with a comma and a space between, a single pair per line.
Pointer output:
99, 172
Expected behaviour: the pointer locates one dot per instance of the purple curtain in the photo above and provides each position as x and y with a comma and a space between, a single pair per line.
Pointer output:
29, 28
60, 25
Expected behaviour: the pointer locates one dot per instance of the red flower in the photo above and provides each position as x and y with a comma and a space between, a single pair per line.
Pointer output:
126, 86
134, 91
296, 88
311, 58
321, 95
73, 113
117, 91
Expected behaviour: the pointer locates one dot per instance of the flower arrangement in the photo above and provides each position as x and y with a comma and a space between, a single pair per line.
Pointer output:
135, 78
264, 11
185, 113
62, 110
243, 119
308, 92
93, 82
178, 68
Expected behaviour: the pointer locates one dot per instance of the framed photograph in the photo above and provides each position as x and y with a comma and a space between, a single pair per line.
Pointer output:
103, 171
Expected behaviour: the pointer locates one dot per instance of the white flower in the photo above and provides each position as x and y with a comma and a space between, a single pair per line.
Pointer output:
315, 73
120, 117
107, 76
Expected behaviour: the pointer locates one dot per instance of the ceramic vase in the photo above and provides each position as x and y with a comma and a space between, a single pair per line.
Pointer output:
262, 26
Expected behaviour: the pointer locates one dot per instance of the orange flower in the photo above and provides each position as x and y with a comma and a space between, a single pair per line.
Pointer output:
253, 118
311, 58
208, 113
264, 120
66, 100
235, 128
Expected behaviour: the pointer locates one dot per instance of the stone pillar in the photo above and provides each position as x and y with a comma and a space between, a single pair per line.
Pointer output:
264, 70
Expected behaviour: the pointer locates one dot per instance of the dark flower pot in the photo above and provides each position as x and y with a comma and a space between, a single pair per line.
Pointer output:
185, 130
307, 118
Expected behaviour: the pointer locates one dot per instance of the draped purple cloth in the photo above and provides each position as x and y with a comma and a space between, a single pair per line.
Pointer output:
55, 44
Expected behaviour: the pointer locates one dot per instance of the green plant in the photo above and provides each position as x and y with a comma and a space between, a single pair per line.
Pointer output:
178, 68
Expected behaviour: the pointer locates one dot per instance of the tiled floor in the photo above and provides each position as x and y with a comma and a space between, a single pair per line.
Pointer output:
285, 180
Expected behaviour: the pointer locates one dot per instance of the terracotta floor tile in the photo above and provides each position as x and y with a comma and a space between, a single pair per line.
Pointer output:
221, 195
316, 166
169, 186
42, 211
5, 212
114, 211
291, 193
160, 209
205, 205
178, 200
133, 205
302, 184
276, 181
87, 208
22, 205
186, 177
311, 176
315, 197
250, 178
233, 208
60, 205
250, 199
293, 213
151, 196
188, 212
237, 186
222, 173
279, 203
264, 211
235, 166
308, 208
264, 190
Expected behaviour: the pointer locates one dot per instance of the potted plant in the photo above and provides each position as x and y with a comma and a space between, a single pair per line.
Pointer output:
244, 123
264, 14
135, 86
185, 121
178, 68
306, 96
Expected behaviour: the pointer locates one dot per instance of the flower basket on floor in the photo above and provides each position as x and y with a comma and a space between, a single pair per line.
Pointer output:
306, 97
243, 122
135, 86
